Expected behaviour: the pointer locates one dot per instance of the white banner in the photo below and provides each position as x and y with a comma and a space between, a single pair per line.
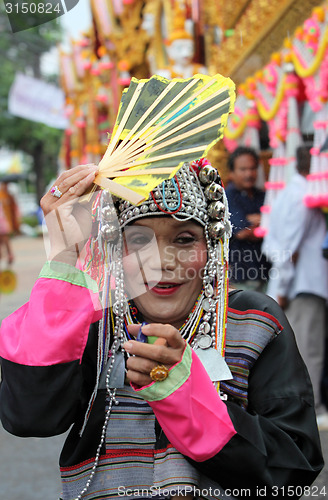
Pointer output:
37, 101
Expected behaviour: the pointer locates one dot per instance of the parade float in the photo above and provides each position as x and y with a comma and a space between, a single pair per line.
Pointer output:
275, 52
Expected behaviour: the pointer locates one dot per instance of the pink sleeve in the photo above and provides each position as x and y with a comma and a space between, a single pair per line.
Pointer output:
52, 327
193, 417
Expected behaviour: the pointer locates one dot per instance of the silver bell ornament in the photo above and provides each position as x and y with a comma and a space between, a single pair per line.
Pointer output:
207, 174
109, 232
216, 210
214, 192
106, 196
108, 214
216, 230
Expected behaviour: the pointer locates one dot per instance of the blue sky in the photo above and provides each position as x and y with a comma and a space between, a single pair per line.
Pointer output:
74, 23
78, 19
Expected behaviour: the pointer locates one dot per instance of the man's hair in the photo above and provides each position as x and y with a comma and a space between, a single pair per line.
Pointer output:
242, 150
303, 160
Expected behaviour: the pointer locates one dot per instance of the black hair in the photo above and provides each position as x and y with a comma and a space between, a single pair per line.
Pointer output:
242, 150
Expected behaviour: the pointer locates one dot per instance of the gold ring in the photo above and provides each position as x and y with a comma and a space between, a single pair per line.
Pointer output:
159, 373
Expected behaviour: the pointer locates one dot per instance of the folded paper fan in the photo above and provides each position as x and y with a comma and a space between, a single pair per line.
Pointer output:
160, 125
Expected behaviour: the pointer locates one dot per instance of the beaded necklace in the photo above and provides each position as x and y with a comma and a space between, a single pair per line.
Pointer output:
189, 328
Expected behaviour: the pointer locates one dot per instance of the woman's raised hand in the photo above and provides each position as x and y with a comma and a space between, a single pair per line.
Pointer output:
167, 350
68, 222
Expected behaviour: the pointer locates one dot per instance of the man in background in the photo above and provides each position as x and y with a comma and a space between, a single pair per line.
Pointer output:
248, 266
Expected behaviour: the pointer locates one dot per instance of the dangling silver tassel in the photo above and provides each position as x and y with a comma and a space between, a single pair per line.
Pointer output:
109, 349
209, 341
109, 233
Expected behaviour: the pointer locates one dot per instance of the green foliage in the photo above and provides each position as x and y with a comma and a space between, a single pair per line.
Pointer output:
30, 220
21, 52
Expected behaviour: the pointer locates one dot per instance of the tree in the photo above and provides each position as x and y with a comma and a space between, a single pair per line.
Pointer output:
22, 52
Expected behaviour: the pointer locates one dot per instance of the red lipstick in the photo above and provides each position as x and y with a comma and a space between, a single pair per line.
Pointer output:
163, 288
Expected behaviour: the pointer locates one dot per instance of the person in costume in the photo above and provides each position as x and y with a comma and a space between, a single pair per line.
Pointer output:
209, 398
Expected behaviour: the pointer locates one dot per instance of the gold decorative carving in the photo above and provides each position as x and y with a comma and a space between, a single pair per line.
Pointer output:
260, 27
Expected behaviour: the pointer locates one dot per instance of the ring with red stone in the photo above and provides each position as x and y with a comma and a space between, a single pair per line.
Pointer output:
55, 191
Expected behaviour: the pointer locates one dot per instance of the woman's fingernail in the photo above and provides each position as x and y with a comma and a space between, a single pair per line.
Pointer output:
128, 346
145, 328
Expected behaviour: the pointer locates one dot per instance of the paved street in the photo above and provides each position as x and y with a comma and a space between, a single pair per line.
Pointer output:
28, 467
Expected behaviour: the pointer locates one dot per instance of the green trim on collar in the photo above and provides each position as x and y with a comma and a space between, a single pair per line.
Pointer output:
65, 272
178, 375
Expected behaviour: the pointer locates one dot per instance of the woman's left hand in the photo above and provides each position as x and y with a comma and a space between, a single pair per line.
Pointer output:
167, 350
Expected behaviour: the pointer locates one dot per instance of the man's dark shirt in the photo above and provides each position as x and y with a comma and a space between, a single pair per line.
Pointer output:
246, 261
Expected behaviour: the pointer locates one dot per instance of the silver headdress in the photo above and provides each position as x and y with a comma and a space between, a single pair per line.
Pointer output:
195, 192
